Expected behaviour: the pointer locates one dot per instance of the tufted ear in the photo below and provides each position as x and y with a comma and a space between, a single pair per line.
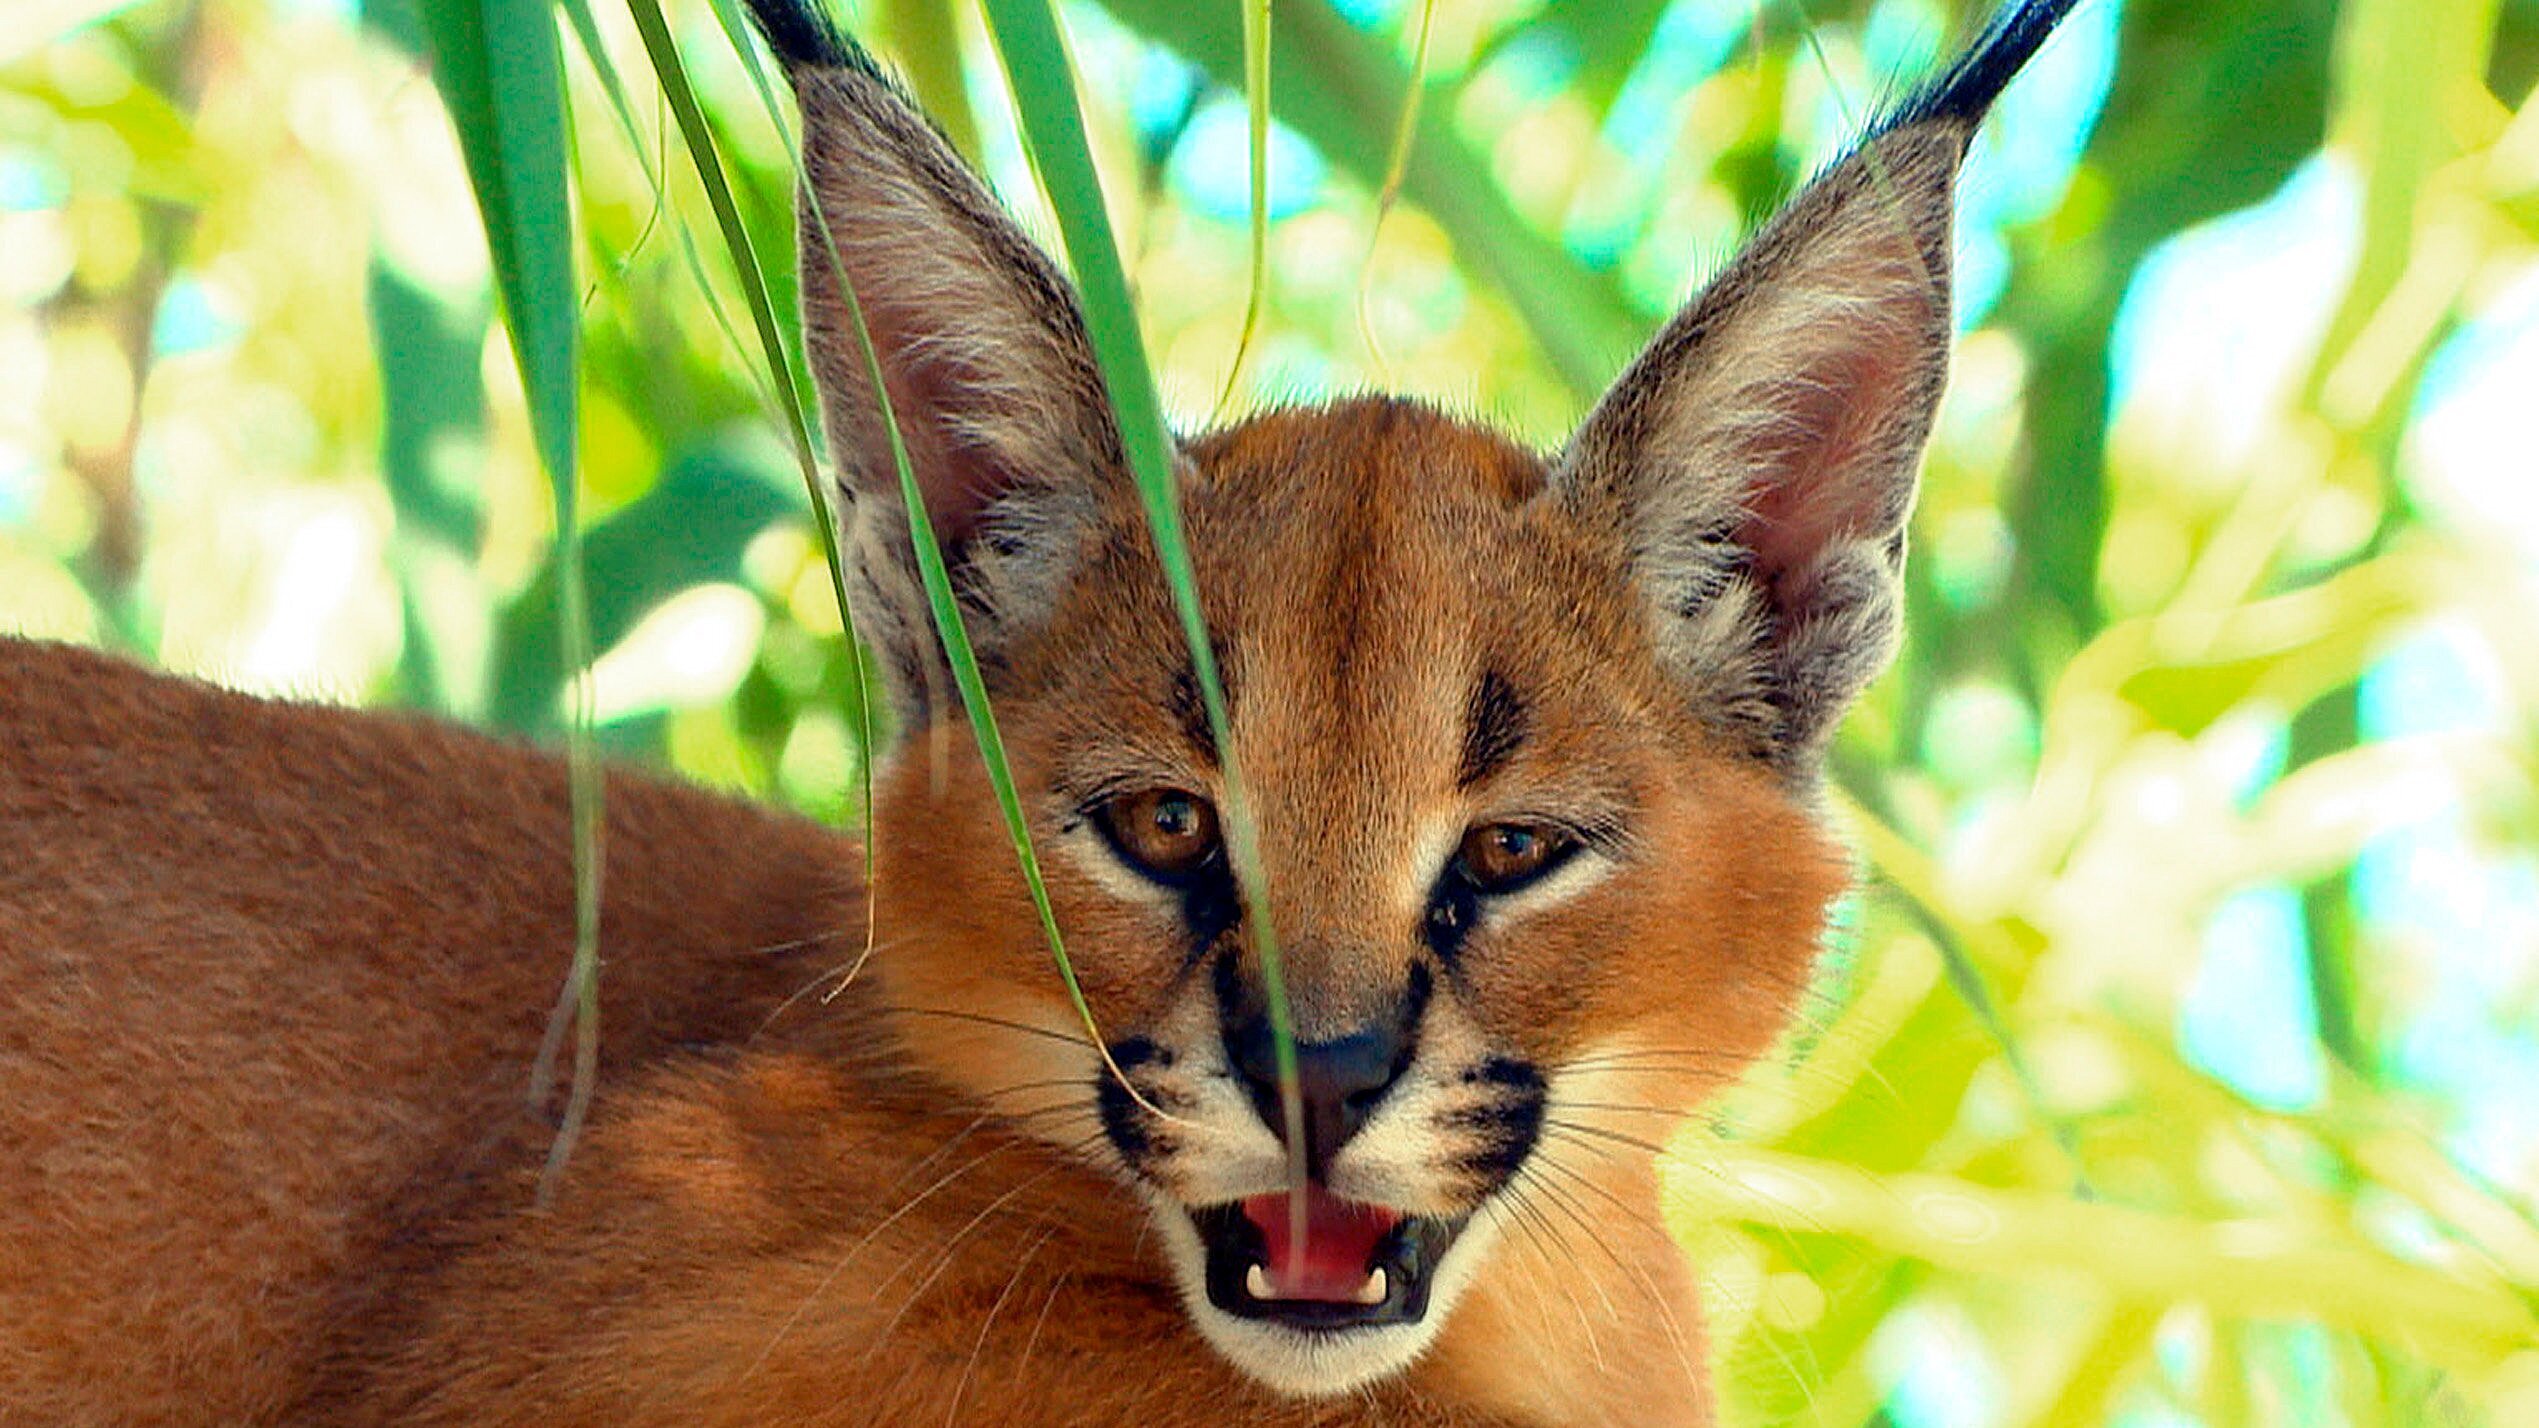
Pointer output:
981, 347
1757, 461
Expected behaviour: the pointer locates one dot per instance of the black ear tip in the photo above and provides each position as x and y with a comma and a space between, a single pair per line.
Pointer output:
1967, 88
804, 35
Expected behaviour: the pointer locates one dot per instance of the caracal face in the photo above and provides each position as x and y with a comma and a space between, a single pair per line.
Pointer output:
1527, 905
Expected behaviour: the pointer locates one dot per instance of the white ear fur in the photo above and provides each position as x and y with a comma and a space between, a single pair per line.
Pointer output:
1757, 461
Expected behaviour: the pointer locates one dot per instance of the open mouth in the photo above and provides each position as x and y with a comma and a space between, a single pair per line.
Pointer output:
1355, 1265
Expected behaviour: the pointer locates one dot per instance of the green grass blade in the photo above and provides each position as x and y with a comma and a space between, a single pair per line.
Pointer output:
1256, 92
736, 30
671, 71
587, 31
945, 607
699, 139
501, 74
1390, 192
1340, 88
577, 13
945, 610
1036, 66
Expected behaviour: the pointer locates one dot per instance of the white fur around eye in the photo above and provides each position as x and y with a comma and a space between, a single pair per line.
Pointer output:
1090, 851
1581, 871
1435, 850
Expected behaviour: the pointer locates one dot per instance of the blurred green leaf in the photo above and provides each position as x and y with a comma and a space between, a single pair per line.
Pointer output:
502, 77
1343, 90
692, 527
164, 162
925, 37
2402, 66
1609, 37
34, 24
1043, 80
2254, 1269
433, 391
2183, 672
2166, 164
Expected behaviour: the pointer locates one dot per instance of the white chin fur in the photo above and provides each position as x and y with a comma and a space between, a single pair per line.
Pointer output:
1314, 1365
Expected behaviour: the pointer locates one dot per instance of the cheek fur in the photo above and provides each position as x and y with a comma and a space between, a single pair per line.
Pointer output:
962, 950
1731, 914
1704, 940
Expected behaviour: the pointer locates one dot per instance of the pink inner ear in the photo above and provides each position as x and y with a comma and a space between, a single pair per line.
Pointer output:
1827, 469
958, 475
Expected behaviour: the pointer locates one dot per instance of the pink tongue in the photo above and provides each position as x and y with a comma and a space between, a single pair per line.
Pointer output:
1340, 1237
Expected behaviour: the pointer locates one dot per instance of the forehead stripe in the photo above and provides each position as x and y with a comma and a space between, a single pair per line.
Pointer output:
1191, 712
1494, 724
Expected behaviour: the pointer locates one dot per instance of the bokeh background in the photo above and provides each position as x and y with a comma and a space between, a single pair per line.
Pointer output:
2178, 1065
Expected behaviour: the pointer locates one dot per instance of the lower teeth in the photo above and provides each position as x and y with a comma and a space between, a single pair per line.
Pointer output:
1256, 1283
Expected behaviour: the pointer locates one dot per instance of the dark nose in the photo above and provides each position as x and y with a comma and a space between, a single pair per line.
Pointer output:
1340, 1081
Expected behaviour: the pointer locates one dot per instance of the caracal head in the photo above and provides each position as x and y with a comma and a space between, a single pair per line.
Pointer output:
1527, 741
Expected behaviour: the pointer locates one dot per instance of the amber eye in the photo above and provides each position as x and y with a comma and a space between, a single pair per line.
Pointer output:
1164, 833
1502, 857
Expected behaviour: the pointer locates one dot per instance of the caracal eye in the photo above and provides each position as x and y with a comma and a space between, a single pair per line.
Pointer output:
1502, 857
1165, 833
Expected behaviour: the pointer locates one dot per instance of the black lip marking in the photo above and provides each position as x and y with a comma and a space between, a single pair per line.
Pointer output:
1122, 1118
1409, 1254
1507, 1127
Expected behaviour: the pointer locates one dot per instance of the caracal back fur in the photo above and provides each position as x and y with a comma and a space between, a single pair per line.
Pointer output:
1532, 741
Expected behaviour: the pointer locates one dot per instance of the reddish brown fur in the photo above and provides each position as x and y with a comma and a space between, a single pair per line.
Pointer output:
266, 970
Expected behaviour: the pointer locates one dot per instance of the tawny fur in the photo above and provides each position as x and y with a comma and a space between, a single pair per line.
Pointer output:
271, 977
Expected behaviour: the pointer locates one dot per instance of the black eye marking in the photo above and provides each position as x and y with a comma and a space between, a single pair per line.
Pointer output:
1211, 906
1452, 909
1495, 723
1170, 837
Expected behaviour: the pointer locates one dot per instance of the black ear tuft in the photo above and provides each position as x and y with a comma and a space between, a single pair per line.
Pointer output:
801, 32
1968, 87
1757, 462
